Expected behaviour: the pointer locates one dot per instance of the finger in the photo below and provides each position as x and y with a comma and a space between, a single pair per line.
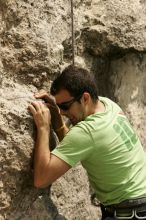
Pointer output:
43, 107
32, 109
41, 93
36, 105
47, 98
43, 96
50, 99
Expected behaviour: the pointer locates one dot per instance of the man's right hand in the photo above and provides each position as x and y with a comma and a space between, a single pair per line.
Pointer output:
49, 99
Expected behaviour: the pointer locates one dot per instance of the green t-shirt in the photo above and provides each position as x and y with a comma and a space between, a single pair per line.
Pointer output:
111, 153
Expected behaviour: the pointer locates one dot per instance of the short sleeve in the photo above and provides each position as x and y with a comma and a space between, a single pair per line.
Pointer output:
76, 146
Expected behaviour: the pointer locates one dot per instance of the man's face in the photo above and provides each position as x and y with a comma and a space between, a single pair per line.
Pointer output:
71, 107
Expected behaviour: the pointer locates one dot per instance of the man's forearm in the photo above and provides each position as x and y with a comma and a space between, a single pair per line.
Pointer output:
41, 156
61, 132
59, 125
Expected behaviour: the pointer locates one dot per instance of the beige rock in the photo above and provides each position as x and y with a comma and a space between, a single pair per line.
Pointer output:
35, 43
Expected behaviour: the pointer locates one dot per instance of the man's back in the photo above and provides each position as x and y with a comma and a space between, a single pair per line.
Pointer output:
110, 151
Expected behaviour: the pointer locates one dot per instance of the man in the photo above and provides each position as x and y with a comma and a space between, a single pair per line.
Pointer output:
101, 138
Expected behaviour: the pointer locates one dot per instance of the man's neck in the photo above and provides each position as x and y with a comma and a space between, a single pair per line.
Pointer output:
99, 107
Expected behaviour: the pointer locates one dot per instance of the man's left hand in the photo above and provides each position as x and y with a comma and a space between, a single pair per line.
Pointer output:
41, 115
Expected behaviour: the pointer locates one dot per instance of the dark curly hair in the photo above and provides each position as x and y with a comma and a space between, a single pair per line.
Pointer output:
76, 81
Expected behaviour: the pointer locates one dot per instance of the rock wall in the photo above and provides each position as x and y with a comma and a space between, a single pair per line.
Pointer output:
35, 44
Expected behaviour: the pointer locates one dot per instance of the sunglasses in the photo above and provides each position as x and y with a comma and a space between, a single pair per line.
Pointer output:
66, 105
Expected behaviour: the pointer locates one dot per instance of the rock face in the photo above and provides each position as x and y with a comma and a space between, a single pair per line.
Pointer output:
35, 44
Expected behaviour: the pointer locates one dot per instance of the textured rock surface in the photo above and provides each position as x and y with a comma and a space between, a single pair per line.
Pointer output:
35, 43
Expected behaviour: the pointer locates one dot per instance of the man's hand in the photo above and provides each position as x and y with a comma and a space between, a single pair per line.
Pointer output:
51, 104
49, 100
41, 115
56, 118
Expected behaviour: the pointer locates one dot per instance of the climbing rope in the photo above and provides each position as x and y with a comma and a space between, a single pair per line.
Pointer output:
72, 30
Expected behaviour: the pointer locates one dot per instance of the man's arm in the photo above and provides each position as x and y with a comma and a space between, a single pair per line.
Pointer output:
47, 167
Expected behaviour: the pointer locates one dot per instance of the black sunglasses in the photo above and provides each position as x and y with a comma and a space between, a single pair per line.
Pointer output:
66, 105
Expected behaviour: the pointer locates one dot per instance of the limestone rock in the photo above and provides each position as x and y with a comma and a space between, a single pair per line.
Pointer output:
35, 44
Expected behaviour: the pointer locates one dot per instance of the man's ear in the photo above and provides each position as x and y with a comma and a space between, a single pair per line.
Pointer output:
86, 97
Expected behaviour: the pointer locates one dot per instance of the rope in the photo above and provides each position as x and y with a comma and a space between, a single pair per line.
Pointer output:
72, 30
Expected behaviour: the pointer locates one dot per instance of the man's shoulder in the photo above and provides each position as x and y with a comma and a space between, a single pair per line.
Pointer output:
109, 102
106, 99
